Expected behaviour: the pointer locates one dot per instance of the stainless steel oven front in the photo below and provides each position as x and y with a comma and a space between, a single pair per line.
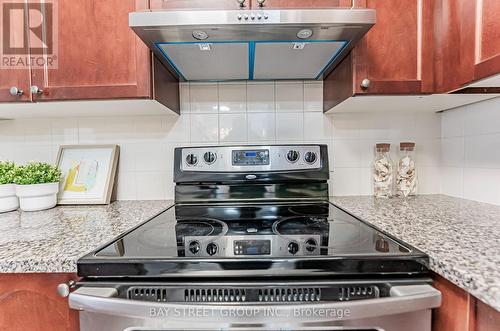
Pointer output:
389, 305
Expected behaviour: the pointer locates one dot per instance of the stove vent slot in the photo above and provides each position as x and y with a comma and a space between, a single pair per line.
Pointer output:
215, 295
148, 294
357, 292
290, 294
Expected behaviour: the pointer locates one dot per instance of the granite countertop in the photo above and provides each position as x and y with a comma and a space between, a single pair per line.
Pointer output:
461, 237
53, 240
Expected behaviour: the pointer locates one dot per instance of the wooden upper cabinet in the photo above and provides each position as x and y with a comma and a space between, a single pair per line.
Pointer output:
392, 58
391, 55
487, 43
467, 42
297, 4
197, 4
14, 48
99, 56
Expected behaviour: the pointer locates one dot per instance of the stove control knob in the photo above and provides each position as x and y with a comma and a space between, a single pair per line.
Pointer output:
209, 157
292, 156
212, 249
194, 247
310, 157
293, 247
191, 159
311, 245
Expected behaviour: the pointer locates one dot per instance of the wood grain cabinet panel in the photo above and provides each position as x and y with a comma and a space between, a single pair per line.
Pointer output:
487, 47
197, 4
99, 55
487, 318
455, 313
461, 311
30, 302
17, 77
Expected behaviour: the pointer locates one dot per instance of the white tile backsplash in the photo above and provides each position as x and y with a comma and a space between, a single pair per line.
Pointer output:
232, 128
261, 127
260, 97
204, 128
317, 127
470, 156
289, 96
236, 113
289, 126
204, 97
233, 98
313, 97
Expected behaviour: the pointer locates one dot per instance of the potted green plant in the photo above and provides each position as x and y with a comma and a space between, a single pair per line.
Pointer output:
37, 185
8, 198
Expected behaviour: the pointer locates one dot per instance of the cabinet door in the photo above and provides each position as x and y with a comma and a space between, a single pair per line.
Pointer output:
487, 48
456, 311
454, 44
391, 55
99, 56
30, 302
197, 4
14, 48
297, 4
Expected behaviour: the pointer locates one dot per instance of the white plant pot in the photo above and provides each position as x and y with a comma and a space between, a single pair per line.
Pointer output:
38, 196
8, 198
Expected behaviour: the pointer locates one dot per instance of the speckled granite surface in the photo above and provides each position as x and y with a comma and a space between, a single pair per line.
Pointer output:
461, 237
53, 240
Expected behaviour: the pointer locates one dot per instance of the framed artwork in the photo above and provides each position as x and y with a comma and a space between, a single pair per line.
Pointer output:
88, 173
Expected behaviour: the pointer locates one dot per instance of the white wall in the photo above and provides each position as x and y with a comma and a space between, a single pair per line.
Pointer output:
471, 152
285, 112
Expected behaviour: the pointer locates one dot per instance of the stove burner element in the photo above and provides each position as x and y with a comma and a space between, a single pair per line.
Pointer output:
200, 227
301, 225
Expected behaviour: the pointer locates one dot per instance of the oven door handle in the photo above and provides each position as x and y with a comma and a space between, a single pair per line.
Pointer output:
402, 299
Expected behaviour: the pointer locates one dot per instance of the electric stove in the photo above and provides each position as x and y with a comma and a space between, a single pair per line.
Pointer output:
252, 226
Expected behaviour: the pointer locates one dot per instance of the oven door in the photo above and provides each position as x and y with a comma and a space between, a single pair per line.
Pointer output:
408, 307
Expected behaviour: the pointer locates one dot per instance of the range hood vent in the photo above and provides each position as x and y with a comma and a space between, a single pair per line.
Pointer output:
251, 44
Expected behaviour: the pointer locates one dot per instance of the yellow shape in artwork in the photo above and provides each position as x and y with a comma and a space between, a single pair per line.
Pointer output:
71, 179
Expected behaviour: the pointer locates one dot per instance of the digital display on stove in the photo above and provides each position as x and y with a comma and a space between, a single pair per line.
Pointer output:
252, 247
251, 157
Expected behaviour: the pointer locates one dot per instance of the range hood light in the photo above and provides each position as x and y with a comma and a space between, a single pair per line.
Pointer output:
304, 33
205, 47
200, 35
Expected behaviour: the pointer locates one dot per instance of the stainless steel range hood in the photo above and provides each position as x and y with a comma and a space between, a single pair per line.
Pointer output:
251, 44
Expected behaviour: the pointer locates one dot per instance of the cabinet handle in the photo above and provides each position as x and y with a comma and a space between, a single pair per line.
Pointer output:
14, 91
365, 83
242, 3
35, 90
63, 289
261, 3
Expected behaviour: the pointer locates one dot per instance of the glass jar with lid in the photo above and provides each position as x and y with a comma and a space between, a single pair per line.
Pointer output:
406, 182
383, 175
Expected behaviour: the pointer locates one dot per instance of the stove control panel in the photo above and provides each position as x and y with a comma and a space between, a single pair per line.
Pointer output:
251, 158
252, 246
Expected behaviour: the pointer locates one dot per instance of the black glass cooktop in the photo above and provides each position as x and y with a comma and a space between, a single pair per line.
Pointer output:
264, 238
322, 230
